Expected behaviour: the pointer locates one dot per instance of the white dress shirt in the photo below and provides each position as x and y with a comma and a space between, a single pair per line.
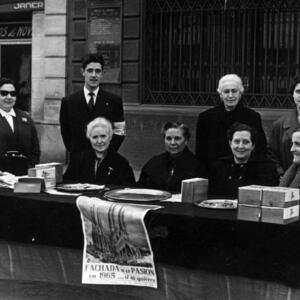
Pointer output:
9, 117
88, 97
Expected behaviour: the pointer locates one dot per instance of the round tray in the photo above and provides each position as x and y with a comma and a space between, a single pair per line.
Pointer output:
137, 195
79, 187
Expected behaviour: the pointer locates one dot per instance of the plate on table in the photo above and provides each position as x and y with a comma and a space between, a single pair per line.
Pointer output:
218, 204
137, 195
79, 187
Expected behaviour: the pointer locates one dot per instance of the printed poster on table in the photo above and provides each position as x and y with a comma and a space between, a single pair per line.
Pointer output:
117, 248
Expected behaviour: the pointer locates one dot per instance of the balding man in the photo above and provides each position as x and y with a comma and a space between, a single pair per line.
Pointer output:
212, 125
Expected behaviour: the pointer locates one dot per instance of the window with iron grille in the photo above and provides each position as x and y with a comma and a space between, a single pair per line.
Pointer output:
190, 44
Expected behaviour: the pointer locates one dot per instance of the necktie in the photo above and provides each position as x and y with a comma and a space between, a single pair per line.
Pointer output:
91, 101
97, 164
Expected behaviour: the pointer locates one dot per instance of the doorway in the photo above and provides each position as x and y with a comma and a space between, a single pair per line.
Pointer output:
15, 63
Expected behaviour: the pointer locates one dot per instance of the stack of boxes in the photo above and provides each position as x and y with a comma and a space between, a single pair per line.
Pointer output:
52, 173
278, 205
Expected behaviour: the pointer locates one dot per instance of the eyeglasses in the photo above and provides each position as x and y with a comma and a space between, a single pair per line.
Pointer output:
5, 93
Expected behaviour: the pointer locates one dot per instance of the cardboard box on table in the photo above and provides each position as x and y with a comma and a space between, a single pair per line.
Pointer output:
268, 204
194, 190
58, 170
47, 173
249, 202
280, 205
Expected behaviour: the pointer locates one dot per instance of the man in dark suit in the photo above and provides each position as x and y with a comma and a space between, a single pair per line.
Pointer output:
78, 109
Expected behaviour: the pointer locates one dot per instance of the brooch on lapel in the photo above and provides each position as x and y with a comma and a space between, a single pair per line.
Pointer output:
24, 120
110, 169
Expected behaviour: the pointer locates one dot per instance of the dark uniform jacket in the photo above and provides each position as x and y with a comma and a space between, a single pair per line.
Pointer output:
24, 140
166, 173
226, 176
75, 115
212, 126
114, 169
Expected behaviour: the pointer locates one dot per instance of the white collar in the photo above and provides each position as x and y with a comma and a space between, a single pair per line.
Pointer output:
86, 92
4, 113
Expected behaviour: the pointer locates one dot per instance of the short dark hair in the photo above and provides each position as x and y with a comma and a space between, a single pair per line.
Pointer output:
92, 57
237, 126
183, 127
293, 86
4, 80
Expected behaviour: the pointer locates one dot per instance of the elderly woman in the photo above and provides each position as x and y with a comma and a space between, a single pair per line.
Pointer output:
167, 170
242, 167
19, 146
280, 141
211, 142
291, 177
101, 164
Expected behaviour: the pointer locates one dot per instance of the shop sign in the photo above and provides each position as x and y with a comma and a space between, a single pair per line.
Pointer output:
15, 31
19, 6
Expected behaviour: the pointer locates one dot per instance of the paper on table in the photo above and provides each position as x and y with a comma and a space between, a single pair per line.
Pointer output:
174, 198
56, 192
7, 180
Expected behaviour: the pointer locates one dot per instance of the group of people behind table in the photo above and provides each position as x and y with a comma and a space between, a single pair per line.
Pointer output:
231, 146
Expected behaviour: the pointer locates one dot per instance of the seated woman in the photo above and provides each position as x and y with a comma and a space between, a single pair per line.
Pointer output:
243, 167
167, 170
101, 164
19, 146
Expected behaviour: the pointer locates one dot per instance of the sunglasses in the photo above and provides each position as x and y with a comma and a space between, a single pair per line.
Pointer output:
5, 93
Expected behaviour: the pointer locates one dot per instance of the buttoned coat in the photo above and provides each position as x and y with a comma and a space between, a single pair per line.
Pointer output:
226, 176
24, 138
211, 132
75, 115
280, 141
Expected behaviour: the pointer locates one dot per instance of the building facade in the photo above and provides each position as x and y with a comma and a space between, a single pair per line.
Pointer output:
163, 57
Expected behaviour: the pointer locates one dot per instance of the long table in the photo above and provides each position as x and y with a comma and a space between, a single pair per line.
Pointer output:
199, 253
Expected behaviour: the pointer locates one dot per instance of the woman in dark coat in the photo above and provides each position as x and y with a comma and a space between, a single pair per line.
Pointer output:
212, 124
19, 146
166, 171
242, 167
101, 165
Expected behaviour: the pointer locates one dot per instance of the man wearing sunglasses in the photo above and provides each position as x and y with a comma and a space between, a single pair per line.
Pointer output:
80, 108
19, 146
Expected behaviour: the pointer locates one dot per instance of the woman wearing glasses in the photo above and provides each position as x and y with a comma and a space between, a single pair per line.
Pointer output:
19, 147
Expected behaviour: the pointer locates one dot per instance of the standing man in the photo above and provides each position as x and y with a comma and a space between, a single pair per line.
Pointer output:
211, 137
80, 108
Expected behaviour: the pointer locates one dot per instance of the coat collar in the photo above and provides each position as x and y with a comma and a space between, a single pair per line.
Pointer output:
291, 121
239, 107
291, 177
